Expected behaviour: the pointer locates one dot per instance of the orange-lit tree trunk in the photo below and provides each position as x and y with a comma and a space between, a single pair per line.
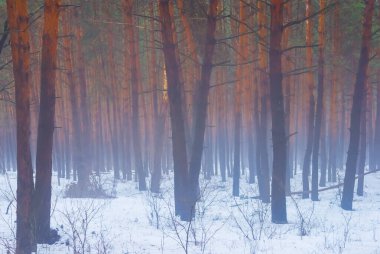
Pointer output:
67, 103
262, 118
74, 150
134, 82
287, 65
279, 139
334, 117
185, 104
116, 134
359, 93
311, 104
80, 118
221, 128
319, 106
238, 105
158, 115
18, 24
175, 95
193, 76
46, 121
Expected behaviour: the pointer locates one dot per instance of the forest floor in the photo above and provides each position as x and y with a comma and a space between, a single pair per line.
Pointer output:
141, 222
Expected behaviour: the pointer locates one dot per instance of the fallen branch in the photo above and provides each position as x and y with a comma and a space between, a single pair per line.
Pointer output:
320, 190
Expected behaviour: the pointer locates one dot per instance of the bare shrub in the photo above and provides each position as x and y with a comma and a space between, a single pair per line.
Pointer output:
154, 208
201, 229
102, 244
8, 216
336, 237
305, 218
99, 187
252, 220
79, 217
206, 225
176, 229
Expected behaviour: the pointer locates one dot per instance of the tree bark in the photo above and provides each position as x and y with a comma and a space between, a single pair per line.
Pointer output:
323, 159
262, 122
279, 139
202, 102
175, 104
80, 114
238, 103
19, 33
359, 92
363, 147
311, 104
158, 115
46, 121
319, 106
135, 80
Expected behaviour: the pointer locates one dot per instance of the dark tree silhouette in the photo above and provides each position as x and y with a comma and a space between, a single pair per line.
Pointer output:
356, 112
278, 115
46, 121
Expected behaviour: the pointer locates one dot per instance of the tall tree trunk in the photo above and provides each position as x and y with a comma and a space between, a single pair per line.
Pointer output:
115, 124
175, 95
262, 122
238, 102
159, 116
278, 115
359, 92
334, 117
46, 121
18, 24
135, 80
202, 102
287, 65
311, 106
221, 138
80, 114
319, 106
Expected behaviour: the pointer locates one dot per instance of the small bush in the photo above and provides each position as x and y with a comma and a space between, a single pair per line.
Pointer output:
95, 189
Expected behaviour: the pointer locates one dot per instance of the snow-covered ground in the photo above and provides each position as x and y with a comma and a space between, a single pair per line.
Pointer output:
140, 222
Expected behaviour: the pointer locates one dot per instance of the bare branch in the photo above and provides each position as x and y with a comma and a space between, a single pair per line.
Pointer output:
299, 21
299, 47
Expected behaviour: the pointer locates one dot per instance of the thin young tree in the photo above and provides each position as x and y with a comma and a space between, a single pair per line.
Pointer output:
4, 36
